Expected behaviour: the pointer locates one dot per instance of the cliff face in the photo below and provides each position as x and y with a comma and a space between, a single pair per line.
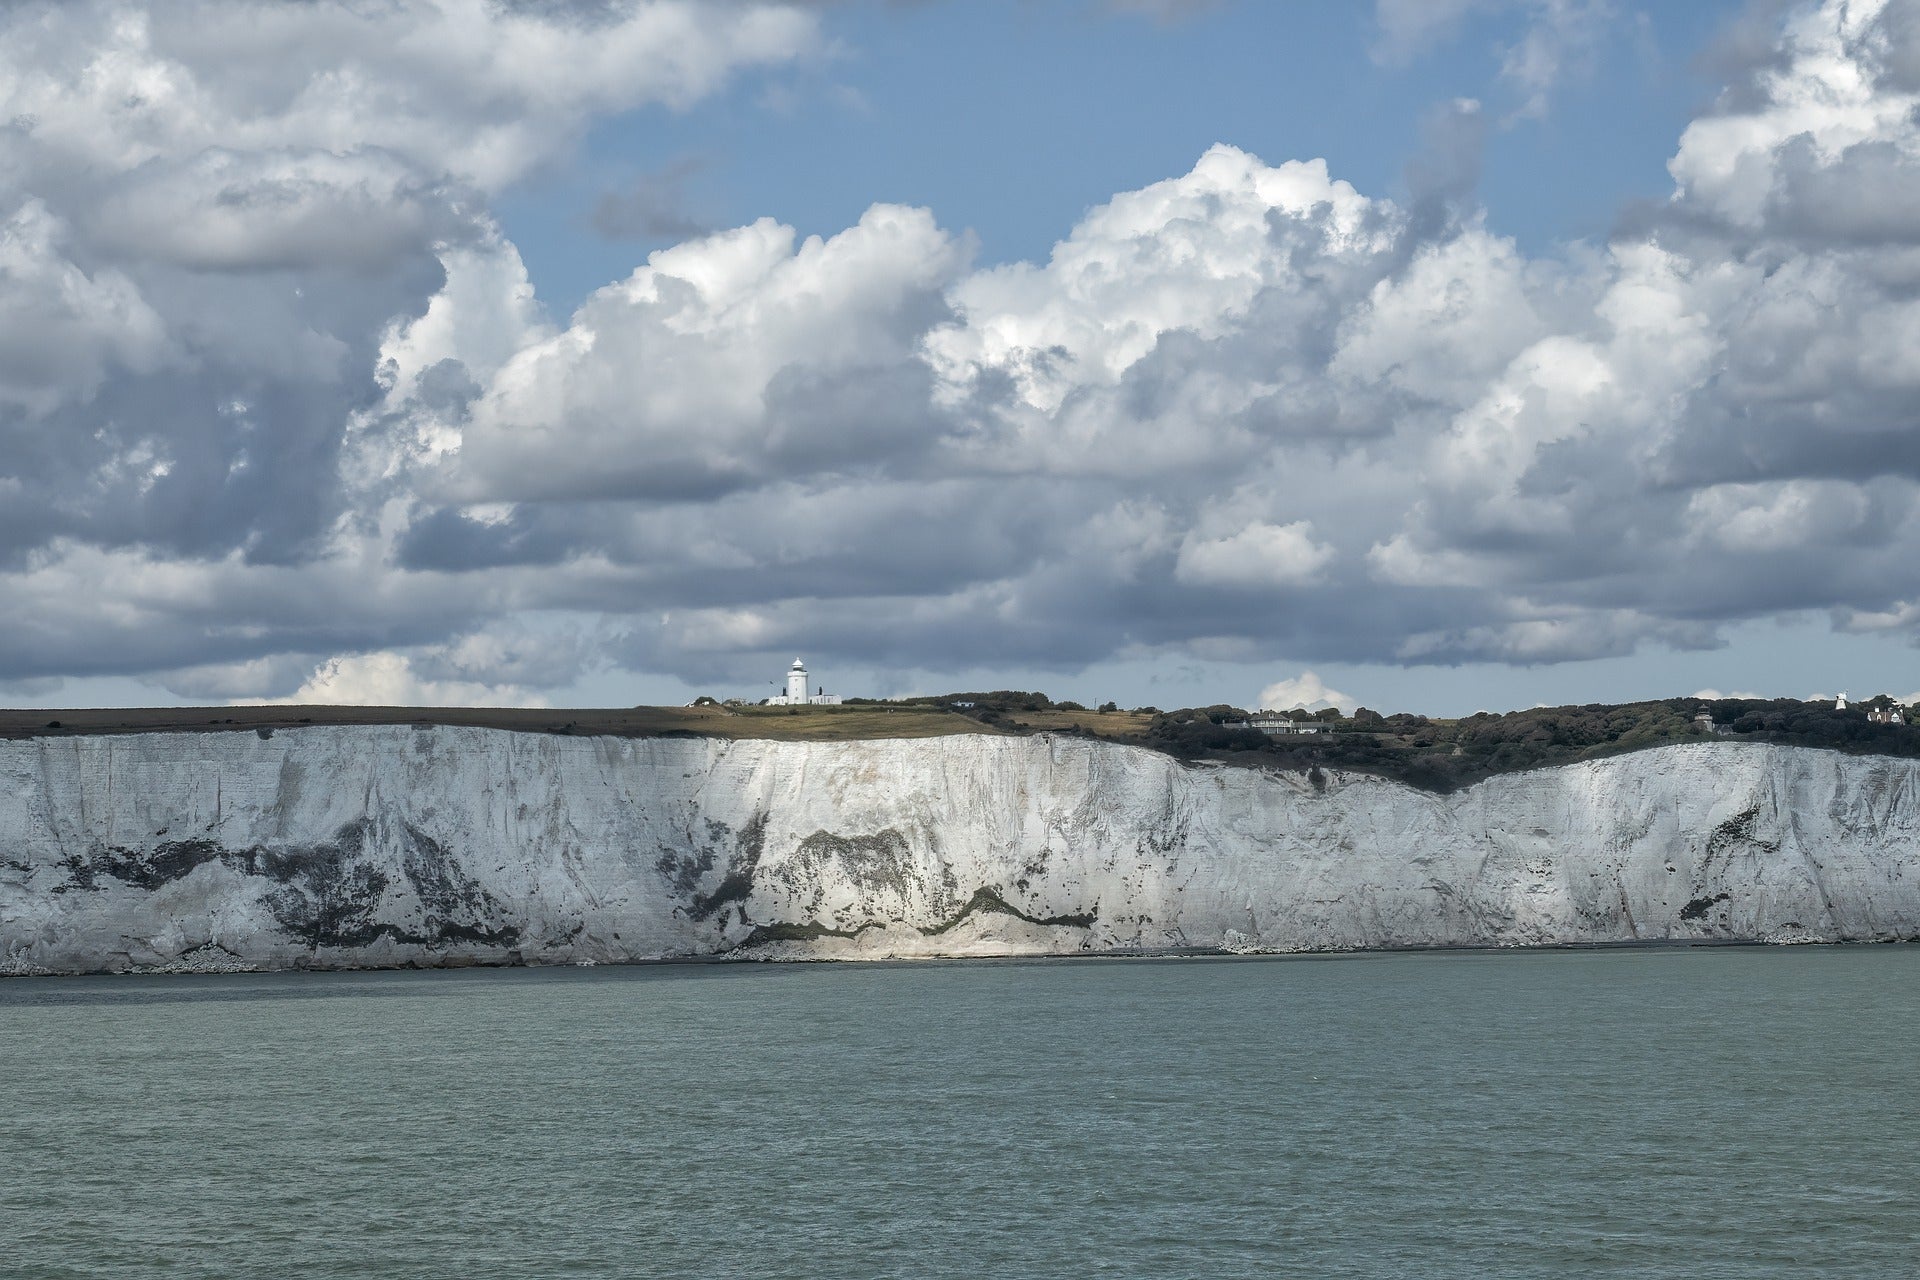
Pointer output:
351, 846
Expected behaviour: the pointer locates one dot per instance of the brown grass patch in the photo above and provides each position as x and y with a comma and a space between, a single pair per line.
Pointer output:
787, 723
1102, 724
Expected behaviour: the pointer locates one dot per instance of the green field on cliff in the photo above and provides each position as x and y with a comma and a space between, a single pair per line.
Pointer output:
710, 721
1431, 753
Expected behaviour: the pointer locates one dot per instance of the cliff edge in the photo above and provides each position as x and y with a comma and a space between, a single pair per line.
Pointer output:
361, 846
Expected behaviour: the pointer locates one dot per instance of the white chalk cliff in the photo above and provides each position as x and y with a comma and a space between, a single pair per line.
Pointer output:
373, 846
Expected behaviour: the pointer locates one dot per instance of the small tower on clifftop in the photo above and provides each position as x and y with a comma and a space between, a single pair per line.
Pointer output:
796, 694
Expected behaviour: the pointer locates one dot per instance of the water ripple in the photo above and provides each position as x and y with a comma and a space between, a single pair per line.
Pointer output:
1640, 1114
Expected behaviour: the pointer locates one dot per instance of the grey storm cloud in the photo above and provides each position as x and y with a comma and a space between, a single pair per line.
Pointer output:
281, 414
654, 206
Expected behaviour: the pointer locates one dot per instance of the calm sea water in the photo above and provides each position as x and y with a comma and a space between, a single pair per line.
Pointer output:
1632, 1113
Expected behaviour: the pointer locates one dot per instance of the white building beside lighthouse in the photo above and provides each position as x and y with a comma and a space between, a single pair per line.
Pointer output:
797, 695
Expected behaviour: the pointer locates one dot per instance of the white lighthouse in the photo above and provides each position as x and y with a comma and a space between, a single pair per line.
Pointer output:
797, 695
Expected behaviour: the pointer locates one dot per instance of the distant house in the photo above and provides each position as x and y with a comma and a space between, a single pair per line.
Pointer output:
1704, 719
1276, 725
1885, 715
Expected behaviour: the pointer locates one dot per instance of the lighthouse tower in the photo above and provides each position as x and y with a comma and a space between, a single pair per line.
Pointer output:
797, 683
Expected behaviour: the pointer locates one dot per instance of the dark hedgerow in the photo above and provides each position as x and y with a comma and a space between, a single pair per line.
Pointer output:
1442, 755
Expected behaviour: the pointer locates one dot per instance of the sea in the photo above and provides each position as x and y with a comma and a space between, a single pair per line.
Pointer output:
1680, 1112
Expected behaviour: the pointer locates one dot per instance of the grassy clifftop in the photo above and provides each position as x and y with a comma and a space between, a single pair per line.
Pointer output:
1435, 754
789, 723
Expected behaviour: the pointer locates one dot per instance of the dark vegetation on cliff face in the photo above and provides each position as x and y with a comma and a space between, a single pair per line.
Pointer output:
328, 894
1442, 755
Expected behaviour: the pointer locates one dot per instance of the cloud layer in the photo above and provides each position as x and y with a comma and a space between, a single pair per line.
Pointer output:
280, 412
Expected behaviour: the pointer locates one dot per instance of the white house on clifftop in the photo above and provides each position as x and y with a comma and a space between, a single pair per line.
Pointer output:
796, 694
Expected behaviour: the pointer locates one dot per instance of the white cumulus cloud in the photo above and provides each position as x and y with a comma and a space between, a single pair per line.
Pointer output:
1258, 556
389, 680
281, 396
1304, 692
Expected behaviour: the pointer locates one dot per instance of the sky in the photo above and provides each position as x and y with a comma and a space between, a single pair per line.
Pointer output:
1432, 355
